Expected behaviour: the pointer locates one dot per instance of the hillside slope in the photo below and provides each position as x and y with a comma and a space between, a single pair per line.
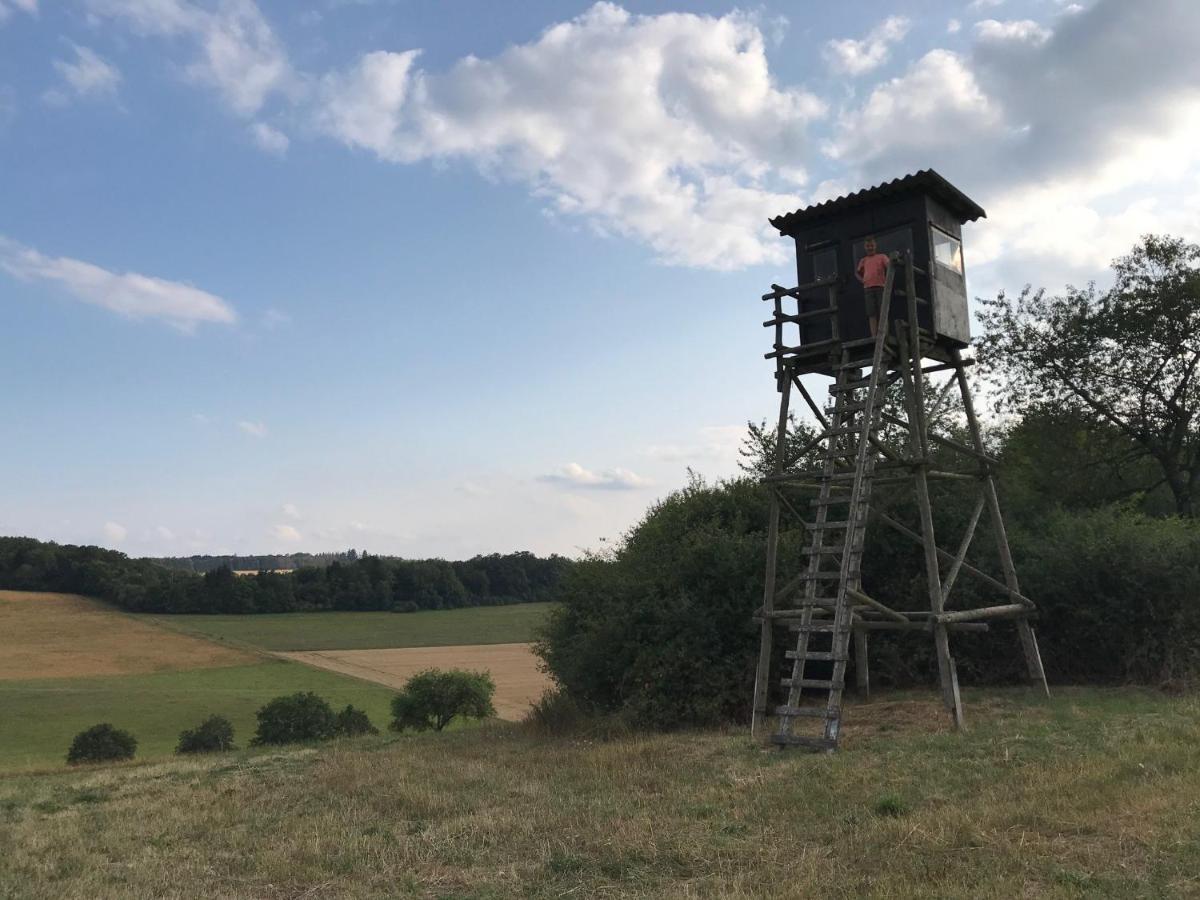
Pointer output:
1094, 793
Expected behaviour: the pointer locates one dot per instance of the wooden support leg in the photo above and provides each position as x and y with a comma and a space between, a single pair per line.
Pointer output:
762, 675
1033, 657
862, 671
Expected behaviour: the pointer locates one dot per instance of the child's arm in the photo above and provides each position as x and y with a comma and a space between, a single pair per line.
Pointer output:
858, 272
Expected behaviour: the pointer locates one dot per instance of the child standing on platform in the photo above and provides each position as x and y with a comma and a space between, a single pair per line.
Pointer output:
871, 273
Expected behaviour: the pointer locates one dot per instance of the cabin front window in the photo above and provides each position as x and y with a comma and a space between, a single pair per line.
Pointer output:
947, 250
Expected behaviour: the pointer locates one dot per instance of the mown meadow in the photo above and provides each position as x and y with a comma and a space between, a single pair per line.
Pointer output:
1094, 793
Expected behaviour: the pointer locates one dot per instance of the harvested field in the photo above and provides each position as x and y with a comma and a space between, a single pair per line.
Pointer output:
67, 636
513, 667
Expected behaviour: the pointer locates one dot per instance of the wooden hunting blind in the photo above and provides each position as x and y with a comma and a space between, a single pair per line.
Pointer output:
891, 396
921, 214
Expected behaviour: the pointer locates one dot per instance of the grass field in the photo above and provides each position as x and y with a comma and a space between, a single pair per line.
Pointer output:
1093, 794
38, 718
64, 636
368, 630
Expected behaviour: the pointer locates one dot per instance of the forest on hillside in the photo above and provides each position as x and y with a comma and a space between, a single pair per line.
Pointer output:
358, 582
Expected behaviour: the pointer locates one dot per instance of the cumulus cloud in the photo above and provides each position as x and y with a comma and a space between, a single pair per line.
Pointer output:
8, 7
954, 26
115, 532
285, 533
270, 139
254, 429
1020, 30
290, 510
127, 293
237, 52
939, 102
663, 128
573, 475
713, 442
86, 75
851, 57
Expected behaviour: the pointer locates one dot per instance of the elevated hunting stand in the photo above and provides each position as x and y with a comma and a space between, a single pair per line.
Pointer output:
875, 433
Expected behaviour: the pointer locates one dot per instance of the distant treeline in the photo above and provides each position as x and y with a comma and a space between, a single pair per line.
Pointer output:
266, 563
364, 583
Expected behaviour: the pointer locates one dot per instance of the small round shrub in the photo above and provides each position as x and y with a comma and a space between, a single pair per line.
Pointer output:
101, 743
294, 718
352, 722
555, 713
432, 699
213, 735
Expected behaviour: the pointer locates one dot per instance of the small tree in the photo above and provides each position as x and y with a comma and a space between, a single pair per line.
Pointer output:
101, 743
294, 718
432, 699
352, 722
1127, 358
213, 735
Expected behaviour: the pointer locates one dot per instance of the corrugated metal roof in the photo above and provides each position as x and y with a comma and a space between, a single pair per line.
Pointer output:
925, 181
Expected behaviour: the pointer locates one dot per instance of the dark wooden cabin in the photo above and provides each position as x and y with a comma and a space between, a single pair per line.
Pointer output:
922, 214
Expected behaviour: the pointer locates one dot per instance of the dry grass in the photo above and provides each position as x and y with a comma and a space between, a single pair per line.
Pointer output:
66, 636
513, 668
1093, 794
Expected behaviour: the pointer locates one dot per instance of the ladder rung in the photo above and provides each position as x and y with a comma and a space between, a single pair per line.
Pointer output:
812, 683
821, 551
830, 526
830, 575
824, 628
832, 501
849, 386
818, 655
799, 740
811, 712
847, 429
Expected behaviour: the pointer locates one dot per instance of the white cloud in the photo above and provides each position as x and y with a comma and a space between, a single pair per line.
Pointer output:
939, 102
473, 489
269, 139
851, 57
238, 53
1020, 30
275, 318
254, 429
128, 293
662, 128
162, 532
87, 75
576, 476
290, 510
115, 532
978, 5
285, 533
8, 6
714, 442
954, 26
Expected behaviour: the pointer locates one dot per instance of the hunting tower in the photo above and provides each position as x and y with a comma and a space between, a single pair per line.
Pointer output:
880, 445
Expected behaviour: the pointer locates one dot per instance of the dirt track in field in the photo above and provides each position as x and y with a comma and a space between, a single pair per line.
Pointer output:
66, 636
512, 666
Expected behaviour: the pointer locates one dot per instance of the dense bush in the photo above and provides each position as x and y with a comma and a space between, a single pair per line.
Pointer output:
351, 722
101, 743
555, 712
1119, 594
295, 718
433, 699
213, 735
660, 629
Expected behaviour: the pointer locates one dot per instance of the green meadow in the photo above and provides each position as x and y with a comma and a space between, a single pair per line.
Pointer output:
38, 718
368, 630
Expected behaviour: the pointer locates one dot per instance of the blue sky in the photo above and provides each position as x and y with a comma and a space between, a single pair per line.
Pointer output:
446, 278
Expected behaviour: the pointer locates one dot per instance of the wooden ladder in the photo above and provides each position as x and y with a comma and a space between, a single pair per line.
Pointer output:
826, 619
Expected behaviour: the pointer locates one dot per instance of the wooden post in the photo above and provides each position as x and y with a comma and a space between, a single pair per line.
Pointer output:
862, 675
762, 677
1033, 658
915, 399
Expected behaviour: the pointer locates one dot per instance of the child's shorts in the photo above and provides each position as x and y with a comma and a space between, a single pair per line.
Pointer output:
874, 299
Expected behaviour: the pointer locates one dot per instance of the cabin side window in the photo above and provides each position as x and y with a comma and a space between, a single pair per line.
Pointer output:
947, 250
824, 264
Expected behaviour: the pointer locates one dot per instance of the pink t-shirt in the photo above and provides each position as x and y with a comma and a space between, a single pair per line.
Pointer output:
872, 270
